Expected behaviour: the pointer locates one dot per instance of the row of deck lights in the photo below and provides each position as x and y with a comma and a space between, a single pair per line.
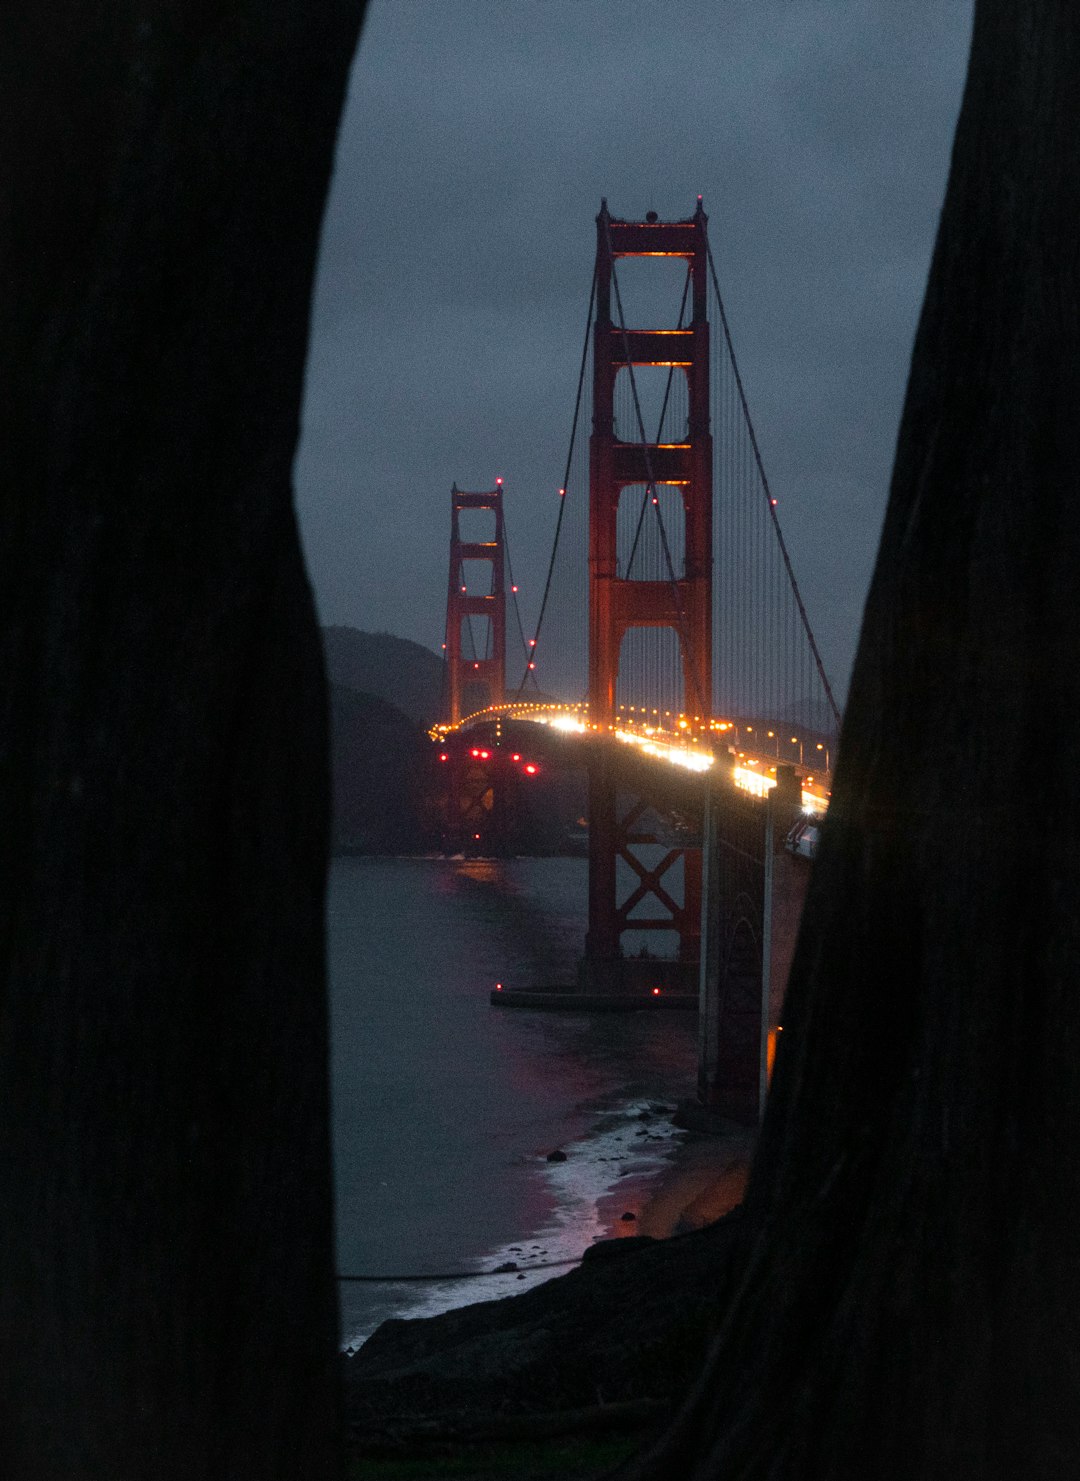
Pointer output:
746, 777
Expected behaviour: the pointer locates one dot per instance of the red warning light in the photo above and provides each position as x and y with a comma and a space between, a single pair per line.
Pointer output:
513, 588
532, 769
443, 756
474, 752
498, 483
532, 665
484, 755
516, 756
498, 987
656, 990
476, 665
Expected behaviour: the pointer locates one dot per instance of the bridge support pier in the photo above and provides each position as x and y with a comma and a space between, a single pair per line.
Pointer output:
630, 852
751, 907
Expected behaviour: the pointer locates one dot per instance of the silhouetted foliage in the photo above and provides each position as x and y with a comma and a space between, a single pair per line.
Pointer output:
909, 1303
167, 1307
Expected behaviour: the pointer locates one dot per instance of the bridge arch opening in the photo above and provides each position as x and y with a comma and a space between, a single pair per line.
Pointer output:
663, 398
659, 946
477, 636
476, 526
653, 291
477, 576
649, 687
650, 532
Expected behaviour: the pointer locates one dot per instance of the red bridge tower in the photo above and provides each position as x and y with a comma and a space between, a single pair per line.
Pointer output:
617, 604
489, 666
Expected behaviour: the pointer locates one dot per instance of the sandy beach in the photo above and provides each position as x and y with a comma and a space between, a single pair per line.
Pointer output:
704, 1179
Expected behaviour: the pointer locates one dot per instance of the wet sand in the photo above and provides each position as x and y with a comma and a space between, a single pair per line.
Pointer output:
704, 1180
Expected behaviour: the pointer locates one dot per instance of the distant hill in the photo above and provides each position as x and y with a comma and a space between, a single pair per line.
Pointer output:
379, 761
406, 674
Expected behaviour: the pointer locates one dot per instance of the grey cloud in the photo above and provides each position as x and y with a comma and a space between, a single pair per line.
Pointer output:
458, 249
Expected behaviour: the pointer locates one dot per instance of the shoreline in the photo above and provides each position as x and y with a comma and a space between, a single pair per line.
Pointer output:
694, 1180
704, 1179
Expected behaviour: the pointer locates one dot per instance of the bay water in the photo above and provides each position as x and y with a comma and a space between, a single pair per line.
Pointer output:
445, 1108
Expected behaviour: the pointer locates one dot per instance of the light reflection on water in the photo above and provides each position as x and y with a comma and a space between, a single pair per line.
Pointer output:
444, 1107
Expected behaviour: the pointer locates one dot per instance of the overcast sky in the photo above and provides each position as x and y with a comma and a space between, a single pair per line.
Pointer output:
476, 144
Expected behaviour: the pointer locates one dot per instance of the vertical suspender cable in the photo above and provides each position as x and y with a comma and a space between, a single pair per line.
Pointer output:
770, 504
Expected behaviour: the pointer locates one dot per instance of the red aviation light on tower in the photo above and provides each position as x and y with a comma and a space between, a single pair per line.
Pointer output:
498, 483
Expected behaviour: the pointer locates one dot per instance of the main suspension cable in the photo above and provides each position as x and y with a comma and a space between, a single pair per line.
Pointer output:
514, 601
562, 492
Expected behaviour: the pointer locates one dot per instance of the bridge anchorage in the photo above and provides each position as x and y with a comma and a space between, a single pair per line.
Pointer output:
698, 706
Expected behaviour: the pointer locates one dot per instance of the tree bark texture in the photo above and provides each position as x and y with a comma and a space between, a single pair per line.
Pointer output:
166, 1280
909, 1303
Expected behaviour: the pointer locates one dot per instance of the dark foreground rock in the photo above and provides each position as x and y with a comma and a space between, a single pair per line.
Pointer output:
623, 1334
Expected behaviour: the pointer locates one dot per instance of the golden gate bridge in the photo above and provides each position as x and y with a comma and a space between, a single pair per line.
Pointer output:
671, 656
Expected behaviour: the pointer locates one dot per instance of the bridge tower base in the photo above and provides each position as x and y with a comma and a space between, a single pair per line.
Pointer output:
753, 898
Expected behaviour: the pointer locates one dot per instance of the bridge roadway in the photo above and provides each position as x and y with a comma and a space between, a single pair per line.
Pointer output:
749, 802
686, 763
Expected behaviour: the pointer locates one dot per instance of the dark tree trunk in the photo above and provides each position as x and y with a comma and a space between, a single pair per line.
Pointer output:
166, 1295
909, 1305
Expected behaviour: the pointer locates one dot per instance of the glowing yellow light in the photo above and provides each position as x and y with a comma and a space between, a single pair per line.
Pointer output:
751, 782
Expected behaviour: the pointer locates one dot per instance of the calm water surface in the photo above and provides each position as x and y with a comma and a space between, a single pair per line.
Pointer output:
445, 1108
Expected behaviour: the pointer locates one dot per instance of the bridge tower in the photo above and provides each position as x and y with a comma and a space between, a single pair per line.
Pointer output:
617, 604
489, 605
